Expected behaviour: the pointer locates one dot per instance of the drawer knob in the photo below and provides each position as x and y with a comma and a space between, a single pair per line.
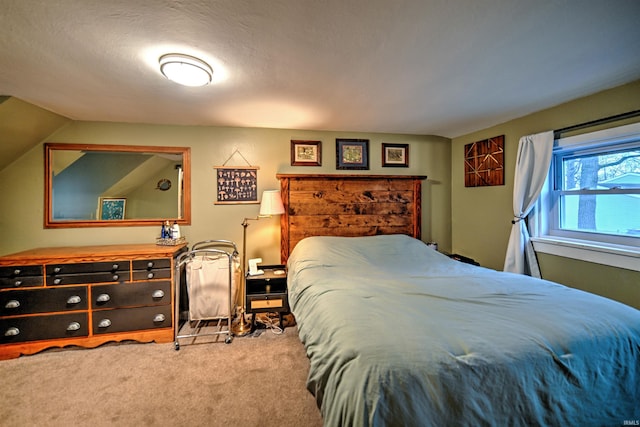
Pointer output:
12, 332
57, 270
104, 323
57, 281
73, 326
17, 283
115, 277
16, 272
150, 275
159, 318
150, 264
12, 304
75, 299
158, 293
103, 298
115, 266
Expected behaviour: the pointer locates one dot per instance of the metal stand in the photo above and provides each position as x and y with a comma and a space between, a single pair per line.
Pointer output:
241, 327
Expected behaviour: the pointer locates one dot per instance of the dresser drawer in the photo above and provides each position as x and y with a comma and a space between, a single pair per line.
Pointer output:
33, 328
89, 267
21, 276
146, 269
14, 303
152, 264
131, 319
131, 294
76, 279
152, 274
87, 272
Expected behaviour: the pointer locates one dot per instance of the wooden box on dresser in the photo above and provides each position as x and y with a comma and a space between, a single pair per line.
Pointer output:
86, 296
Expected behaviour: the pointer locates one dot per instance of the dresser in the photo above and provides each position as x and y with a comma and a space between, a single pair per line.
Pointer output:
86, 296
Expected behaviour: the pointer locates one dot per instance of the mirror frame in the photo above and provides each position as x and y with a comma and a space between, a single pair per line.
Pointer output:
51, 147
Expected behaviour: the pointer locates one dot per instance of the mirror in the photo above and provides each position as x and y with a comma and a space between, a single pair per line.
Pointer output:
116, 185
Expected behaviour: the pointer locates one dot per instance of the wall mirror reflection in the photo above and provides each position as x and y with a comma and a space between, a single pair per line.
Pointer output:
116, 185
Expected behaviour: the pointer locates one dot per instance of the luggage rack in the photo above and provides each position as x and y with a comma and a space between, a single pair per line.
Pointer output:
217, 254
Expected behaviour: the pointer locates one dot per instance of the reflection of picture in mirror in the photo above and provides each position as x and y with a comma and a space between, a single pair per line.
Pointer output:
111, 209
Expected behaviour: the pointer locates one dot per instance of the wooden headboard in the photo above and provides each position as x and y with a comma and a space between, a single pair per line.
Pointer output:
348, 205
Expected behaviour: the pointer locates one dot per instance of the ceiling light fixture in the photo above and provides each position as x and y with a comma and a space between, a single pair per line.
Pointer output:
185, 70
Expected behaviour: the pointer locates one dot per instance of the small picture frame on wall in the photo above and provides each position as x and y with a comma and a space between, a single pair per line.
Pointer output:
352, 154
395, 155
306, 153
236, 185
111, 208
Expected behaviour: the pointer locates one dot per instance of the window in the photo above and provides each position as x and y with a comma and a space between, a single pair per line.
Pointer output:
591, 198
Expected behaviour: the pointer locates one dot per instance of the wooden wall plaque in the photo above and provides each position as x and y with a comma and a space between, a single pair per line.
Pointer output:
484, 162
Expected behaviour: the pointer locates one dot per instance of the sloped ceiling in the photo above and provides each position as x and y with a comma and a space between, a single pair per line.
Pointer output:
442, 67
22, 127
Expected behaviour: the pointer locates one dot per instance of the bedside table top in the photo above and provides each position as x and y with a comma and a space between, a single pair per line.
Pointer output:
270, 272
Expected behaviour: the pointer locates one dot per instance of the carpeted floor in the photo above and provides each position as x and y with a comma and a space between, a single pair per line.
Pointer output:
254, 381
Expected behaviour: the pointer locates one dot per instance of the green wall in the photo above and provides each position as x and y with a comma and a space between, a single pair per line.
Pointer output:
481, 216
22, 183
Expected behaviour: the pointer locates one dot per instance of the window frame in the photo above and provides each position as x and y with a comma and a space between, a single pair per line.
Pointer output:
602, 248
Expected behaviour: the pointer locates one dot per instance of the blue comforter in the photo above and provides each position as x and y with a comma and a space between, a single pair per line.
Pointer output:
399, 334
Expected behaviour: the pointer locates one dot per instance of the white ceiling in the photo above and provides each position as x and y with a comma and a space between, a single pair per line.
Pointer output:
442, 67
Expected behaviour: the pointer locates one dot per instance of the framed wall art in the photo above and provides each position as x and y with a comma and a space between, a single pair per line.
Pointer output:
484, 162
306, 153
236, 185
395, 155
352, 154
111, 208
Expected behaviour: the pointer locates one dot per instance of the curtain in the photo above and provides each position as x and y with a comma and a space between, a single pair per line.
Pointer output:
532, 166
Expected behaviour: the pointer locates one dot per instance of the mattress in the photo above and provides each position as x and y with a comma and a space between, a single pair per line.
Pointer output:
399, 334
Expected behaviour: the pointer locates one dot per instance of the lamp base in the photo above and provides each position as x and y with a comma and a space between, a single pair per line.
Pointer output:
241, 327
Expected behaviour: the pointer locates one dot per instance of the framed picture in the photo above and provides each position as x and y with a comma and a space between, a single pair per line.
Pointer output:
395, 155
306, 153
352, 154
236, 185
111, 208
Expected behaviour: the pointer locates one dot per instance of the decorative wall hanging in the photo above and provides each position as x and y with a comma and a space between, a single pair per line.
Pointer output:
236, 184
352, 154
306, 153
395, 155
111, 208
484, 162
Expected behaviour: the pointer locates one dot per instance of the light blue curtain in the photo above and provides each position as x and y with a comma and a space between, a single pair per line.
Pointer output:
532, 166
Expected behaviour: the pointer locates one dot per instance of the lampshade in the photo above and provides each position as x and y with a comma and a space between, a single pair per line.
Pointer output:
271, 203
185, 70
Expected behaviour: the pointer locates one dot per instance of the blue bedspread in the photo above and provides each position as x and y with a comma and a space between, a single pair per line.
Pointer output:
399, 334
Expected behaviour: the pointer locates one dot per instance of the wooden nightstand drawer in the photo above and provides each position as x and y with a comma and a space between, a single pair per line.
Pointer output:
259, 304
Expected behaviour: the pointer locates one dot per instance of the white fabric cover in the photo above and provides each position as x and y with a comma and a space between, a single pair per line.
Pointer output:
208, 286
532, 167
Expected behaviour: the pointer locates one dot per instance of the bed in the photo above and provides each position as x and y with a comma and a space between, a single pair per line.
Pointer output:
399, 334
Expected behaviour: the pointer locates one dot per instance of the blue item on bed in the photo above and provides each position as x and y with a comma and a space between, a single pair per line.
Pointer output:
399, 334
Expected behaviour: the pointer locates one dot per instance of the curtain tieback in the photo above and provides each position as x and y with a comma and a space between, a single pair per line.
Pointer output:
517, 219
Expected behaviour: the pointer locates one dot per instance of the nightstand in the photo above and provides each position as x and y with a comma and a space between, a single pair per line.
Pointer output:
267, 292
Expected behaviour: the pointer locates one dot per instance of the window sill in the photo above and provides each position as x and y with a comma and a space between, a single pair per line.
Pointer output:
613, 255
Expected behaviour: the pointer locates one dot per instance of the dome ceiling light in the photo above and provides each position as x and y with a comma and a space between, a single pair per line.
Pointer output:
185, 70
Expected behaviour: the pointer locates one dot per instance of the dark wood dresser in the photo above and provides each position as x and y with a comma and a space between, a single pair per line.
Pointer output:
86, 296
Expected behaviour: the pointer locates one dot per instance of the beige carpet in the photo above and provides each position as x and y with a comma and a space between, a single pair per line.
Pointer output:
254, 381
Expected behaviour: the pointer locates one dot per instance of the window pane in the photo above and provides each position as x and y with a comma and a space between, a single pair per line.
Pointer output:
603, 213
617, 169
